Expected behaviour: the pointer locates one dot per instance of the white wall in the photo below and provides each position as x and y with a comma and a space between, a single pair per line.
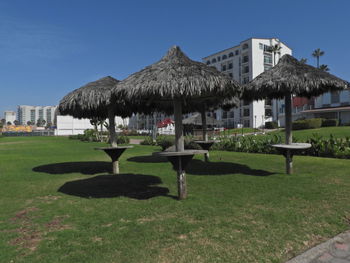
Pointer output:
67, 125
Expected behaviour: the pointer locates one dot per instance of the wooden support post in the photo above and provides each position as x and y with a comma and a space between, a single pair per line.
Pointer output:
179, 138
115, 167
112, 133
288, 128
204, 130
181, 181
289, 162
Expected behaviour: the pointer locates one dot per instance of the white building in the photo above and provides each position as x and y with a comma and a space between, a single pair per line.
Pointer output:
10, 116
243, 63
27, 113
331, 105
67, 125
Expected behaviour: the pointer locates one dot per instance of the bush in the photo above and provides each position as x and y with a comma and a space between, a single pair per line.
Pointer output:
307, 124
330, 122
122, 139
271, 125
148, 141
165, 141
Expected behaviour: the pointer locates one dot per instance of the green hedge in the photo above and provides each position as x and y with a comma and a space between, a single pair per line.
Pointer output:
271, 125
330, 122
307, 124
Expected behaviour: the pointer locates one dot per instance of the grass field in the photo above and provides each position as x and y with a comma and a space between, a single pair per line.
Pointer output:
237, 131
303, 135
59, 204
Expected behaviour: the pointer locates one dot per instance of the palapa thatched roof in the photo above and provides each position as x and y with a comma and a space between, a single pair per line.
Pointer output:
196, 119
92, 100
292, 76
176, 76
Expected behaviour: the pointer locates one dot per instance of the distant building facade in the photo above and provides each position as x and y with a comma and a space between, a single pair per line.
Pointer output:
26, 113
243, 63
10, 116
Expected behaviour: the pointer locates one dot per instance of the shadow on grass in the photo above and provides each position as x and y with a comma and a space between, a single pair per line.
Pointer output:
198, 167
148, 159
137, 186
89, 168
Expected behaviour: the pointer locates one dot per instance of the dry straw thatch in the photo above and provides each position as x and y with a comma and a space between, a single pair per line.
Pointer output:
177, 77
292, 76
93, 101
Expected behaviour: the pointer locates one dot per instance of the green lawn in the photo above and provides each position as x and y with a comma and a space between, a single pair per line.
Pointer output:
58, 204
302, 135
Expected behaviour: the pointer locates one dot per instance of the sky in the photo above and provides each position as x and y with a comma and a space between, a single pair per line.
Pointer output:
49, 48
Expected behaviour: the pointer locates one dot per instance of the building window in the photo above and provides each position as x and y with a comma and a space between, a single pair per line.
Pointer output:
32, 116
245, 59
335, 97
245, 69
223, 67
208, 62
230, 54
268, 112
219, 58
213, 60
261, 46
267, 67
246, 112
230, 66
246, 123
230, 74
237, 52
224, 57
231, 114
245, 103
245, 46
245, 80
268, 59
267, 48
224, 114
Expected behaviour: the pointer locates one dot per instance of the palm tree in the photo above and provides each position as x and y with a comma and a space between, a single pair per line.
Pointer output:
324, 67
303, 60
317, 54
276, 49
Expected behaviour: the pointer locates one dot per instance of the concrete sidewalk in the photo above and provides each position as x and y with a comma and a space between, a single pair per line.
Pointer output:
335, 250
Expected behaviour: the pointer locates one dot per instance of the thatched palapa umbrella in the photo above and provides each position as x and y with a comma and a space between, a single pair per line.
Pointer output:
175, 84
93, 100
291, 77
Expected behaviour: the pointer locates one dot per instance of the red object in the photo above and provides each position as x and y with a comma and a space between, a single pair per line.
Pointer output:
165, 123
300, 101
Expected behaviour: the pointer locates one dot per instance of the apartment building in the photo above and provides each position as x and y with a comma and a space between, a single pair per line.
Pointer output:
26, 113
243, 63
10, 116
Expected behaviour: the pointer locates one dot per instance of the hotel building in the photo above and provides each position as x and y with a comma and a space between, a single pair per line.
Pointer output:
27, 113
243, 63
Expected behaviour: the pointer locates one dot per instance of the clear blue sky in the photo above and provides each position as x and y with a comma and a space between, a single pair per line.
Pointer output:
49, 48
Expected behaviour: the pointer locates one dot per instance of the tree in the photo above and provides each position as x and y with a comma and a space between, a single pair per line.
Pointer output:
3, 122
29, 123
16, 122
303, 60
317, 54
9, 123
324, 67
276, 49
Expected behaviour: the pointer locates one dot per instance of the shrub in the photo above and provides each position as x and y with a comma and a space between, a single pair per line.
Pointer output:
330, 122
299, 125
148, 141
307, 124
165, 141
190, 144
271, 125
122, 139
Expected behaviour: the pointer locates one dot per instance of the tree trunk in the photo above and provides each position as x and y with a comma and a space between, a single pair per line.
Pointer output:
181, 182
112, 133
288, 117
179, 139
204, 124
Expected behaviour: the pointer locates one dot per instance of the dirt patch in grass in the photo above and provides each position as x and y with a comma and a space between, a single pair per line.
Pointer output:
30, 234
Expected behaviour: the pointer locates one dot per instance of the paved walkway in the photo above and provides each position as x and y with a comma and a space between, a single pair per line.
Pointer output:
335, 250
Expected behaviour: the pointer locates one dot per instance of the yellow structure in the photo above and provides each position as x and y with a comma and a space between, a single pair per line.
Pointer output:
19, 128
